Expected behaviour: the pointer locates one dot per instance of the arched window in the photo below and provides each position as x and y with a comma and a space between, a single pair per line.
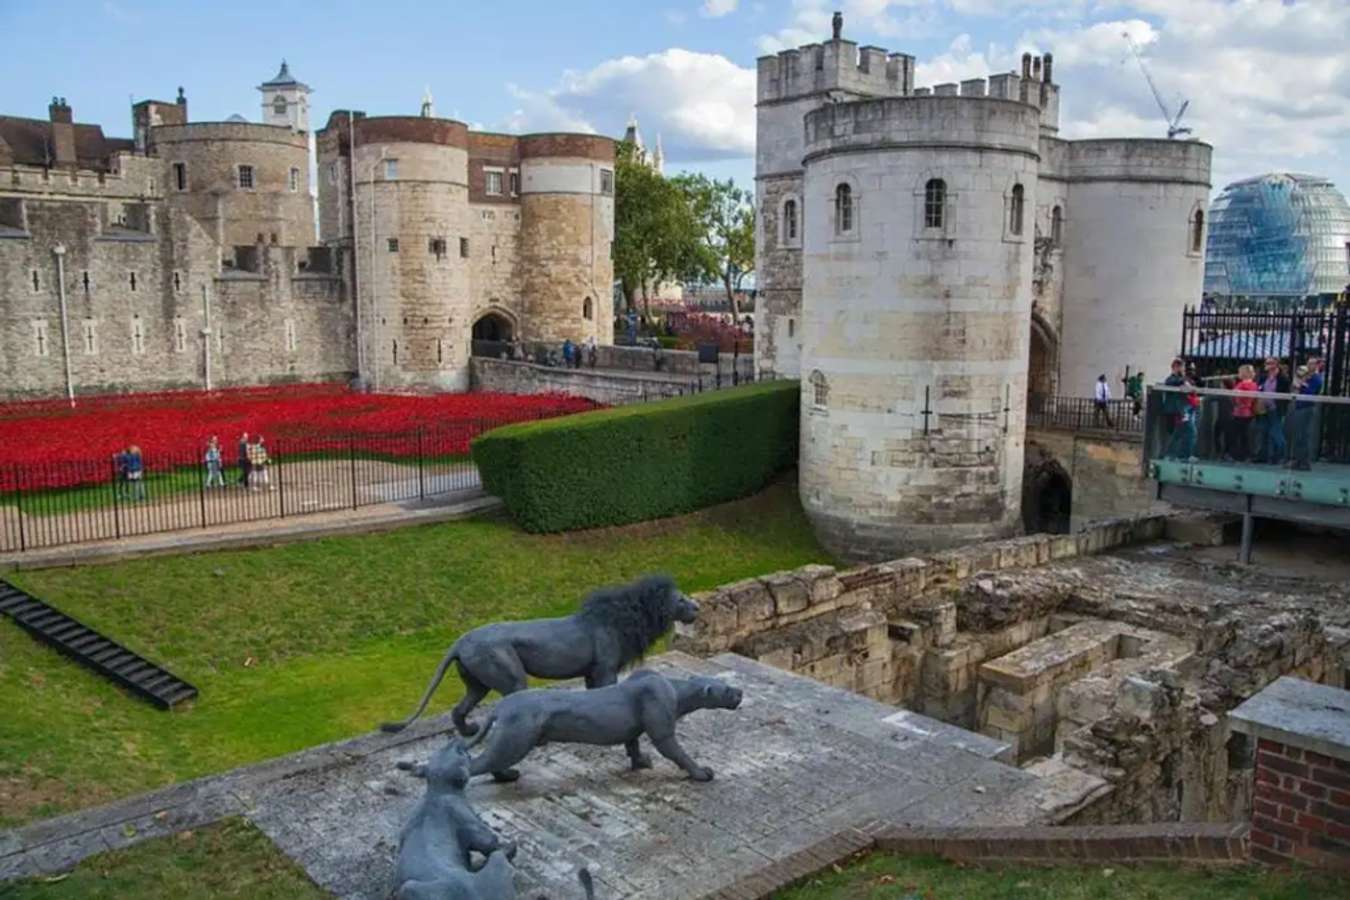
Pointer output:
790, 220
1056, 226
279, 105
587, 312
843, 209
1198, 232
1015, 208
820, 390
934, 202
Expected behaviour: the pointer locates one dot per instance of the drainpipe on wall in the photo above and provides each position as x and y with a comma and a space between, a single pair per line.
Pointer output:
370, 293
60, 251
206, 334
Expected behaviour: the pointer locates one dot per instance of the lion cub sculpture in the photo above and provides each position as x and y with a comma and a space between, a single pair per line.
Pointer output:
436, 844
644, 703
615, 627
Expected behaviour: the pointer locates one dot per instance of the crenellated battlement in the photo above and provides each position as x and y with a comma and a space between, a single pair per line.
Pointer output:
834, 65
1033, 86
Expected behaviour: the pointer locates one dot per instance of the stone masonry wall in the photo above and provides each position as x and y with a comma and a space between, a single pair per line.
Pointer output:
1105, 473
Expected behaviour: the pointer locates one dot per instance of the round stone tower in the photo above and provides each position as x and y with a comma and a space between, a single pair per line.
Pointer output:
917, 248
567, 220
245, 183
411, 198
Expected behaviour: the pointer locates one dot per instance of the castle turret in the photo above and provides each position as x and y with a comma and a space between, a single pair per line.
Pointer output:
285, 101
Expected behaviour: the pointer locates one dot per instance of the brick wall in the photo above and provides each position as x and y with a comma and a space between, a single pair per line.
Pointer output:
1301, 811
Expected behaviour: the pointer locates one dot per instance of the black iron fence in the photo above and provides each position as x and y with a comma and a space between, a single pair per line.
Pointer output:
1216, 343
1085, 414
58, 503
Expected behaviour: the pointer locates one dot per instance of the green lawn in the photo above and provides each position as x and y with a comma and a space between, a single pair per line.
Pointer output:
886, 877
298, 645
229, 859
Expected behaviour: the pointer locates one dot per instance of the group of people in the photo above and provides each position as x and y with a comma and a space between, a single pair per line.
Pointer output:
1248, 429
572, 354
254, 463
130, 469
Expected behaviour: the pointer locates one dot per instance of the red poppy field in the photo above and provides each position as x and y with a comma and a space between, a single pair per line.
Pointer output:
49, 444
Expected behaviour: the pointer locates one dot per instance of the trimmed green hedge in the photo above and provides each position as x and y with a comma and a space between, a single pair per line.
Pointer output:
631, 463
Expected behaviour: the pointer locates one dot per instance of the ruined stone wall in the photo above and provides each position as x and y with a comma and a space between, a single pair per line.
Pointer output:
277, 208
567, 227
914, 347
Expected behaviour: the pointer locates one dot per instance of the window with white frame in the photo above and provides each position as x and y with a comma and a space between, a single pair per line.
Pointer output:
294, 182
390, 169
179, 334
820, 390
245, 178
843, 209
934, 203
90, 334
137, 336
42, 345
290, 336
493, 182
790, 221
606, 181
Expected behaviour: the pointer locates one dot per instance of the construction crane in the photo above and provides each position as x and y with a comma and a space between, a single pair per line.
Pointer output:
1174, 127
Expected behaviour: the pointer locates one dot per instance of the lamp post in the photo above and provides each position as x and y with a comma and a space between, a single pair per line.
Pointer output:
60, 251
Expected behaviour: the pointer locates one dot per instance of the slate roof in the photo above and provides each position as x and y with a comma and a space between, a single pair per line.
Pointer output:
30, 142
283, 78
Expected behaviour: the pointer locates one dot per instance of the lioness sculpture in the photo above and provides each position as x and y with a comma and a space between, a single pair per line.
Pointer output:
614, 628
436, 843
644, 703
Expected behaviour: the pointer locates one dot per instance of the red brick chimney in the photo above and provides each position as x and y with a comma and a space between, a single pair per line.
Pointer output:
62, 150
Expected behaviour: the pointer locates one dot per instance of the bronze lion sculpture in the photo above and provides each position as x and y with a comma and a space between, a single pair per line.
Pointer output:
645, 702
614, 628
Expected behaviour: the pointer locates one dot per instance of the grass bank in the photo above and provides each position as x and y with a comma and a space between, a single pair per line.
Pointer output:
299, 645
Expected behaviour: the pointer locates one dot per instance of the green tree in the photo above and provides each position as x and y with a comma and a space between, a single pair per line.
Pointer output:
726, 231
655, 231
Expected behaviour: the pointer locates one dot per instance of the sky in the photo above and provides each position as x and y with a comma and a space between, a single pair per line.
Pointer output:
1268, 80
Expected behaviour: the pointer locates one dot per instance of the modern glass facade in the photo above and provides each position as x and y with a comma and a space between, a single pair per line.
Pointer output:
1278, 238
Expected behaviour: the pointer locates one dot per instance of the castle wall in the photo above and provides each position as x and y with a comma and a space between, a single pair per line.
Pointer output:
566, 229
494, 260
416, 290
1130, 266
907, 328
279, 210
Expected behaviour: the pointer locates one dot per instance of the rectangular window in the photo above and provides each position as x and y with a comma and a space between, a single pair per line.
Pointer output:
294, 183
390, 169
606, 181
90, 338
291, 343
515, 182
246, 178
464, 247
179, 335
41, 342
393, 245
137, 337
494, 182
436, 246
180, 176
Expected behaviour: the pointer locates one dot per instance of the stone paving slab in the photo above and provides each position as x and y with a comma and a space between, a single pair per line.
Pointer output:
798, 764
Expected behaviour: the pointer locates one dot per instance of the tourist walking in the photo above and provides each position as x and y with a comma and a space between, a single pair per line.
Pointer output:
1174, 412
258, 463
1101, 402
1270, 413
1134, 390
135, 469
567, 350
214, 475
1305, 414
1244, 412
243, 460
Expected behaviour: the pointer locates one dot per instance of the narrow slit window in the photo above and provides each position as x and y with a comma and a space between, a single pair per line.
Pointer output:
464, 247
1056, 226
180, 176
1015, 207
132, 278
294, 183
179, 335
843, 209
790, 220
1198, 232
90, 338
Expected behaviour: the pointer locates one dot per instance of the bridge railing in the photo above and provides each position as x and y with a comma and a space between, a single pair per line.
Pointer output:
1123, 416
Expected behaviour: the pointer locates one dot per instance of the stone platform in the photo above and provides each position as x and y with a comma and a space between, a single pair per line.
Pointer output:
796, 765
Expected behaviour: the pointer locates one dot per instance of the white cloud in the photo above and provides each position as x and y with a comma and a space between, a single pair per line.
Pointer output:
702, 104
715, 9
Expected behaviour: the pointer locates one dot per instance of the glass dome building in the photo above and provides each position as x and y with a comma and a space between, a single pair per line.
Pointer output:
1278, 239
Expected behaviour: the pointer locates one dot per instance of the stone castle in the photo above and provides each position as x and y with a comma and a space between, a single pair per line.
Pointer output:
188, 255
928, 256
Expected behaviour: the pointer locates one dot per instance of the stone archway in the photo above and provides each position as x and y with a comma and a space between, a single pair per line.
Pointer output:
1047, 497
1043, 362
493, 326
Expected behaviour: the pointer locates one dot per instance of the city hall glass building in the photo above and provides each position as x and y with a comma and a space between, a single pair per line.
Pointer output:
1278, 239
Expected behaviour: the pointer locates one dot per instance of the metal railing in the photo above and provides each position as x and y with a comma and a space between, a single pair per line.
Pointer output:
59, 503
1124, 416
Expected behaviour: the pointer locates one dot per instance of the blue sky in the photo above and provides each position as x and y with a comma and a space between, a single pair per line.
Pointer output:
1269, 80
